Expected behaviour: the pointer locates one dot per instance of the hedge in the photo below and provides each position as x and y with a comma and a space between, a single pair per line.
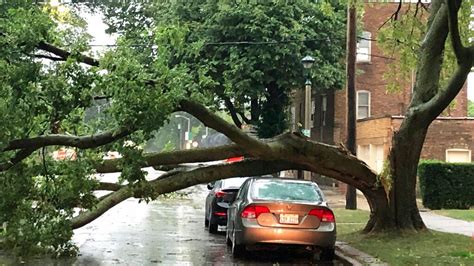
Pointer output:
446, 185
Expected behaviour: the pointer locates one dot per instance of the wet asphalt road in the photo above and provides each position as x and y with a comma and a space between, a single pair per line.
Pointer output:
164, 232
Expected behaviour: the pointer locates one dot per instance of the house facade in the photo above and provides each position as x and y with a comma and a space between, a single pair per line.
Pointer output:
380, 113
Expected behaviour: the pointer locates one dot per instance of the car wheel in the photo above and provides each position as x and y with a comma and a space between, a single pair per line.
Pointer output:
227, 239
327, 254
238, 251
212, 228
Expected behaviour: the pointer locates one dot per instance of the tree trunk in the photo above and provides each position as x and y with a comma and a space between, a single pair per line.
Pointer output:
381, 218
404, 157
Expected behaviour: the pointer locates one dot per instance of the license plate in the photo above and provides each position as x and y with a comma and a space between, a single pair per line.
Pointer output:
289, 219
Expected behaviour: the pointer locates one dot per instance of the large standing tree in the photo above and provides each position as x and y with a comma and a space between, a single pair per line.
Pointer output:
251, 51
160, 68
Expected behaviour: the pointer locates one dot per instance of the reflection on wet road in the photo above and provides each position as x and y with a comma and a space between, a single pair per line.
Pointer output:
164, 232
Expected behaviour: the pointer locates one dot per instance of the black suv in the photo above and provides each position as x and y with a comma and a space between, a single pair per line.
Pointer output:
222, 192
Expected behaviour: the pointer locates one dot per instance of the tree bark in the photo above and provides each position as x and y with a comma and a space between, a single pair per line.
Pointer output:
404, 158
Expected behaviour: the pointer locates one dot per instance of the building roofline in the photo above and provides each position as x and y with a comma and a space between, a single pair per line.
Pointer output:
439, 117
459, 118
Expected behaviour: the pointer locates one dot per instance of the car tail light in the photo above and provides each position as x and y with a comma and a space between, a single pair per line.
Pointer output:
220, 213
324, 215
220, 194
253, 211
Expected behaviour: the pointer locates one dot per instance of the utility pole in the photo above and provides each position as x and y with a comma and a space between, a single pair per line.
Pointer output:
351, 197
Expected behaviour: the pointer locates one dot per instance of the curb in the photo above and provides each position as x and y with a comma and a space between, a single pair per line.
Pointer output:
352, 256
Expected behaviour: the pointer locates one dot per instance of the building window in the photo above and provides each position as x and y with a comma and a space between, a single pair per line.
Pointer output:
458, 156
363, 104
324, 106
363, 47
372, 155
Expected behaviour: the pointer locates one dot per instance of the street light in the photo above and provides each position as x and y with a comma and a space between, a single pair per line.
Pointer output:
187, 134
307, 62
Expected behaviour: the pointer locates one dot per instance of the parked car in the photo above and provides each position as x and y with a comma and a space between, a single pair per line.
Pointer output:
221, 193
281, 211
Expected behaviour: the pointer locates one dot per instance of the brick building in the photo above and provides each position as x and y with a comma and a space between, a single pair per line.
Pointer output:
379, 113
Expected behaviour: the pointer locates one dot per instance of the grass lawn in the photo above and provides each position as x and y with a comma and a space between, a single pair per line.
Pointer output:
430, 248
466, 215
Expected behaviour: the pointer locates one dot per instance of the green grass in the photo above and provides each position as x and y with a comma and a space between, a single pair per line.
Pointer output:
466, 215
429, 248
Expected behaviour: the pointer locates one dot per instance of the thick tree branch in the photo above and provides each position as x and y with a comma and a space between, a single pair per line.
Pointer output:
183, 180
444, 97
179, 157
244, 118
298, 153
109, 186
52, 58
465, 59
84, 142
252, 145
19, 156
324, 159
459, 50
430, 61
105, 204
65, 54
233, 112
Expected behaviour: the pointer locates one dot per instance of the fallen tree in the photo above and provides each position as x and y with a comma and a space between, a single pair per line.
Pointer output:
46, 105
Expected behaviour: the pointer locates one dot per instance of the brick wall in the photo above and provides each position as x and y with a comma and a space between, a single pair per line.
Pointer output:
370, 78
446, 133
375, 132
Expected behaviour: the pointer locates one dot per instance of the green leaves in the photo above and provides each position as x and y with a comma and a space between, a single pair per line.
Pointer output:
248, 53
37, 208
401, 39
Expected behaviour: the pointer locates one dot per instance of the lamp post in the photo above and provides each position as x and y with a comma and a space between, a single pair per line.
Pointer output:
187, 135
307, 62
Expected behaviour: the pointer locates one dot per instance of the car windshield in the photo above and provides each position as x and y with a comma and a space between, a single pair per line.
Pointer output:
285, 190
233, 182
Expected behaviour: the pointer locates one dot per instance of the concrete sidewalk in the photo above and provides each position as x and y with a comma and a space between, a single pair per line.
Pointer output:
446, 224
432, 221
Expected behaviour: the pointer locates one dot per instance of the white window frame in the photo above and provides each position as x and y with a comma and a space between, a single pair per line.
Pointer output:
357, 103
468, 152
324, 108
364, 56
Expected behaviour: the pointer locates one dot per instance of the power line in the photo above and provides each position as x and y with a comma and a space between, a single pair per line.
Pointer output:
246, 42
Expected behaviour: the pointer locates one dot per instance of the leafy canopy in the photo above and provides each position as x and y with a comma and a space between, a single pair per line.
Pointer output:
250, 51
400, 38
245, 53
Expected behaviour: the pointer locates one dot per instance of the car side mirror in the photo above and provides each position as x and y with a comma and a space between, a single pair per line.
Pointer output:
210, 186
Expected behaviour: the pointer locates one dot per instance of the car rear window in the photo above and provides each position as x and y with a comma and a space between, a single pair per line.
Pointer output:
233, 182
285, 190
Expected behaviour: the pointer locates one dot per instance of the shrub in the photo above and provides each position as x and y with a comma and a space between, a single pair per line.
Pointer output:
446, 185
